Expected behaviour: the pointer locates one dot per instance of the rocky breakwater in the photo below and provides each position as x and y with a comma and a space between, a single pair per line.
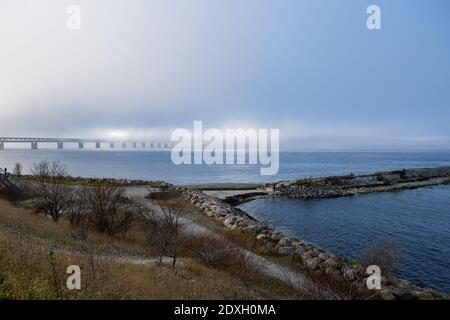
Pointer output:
350, 185
315, 260
108, 181
229, 216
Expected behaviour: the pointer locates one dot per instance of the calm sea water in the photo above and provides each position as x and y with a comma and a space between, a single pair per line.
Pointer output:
417, 220
157, 165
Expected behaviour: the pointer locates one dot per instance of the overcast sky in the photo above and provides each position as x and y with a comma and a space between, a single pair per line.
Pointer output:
310, 68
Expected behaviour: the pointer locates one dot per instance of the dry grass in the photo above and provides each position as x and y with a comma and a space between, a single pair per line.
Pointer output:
26, 270
26, 273
61, 233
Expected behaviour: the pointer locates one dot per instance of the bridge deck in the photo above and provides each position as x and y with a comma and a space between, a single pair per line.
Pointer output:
60, 142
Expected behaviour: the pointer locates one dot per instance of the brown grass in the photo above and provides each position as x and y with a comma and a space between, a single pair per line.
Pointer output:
61, 233
26, 271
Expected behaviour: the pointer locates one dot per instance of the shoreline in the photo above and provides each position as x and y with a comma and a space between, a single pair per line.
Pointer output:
343, 186
316, 260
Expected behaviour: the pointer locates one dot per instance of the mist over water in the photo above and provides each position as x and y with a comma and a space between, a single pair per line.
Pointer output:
157, 165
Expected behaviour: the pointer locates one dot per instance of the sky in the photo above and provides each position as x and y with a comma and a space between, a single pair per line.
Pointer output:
141, 68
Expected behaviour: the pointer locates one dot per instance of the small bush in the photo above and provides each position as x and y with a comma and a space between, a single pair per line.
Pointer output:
54, 194
103, 208
217, 252
384, 255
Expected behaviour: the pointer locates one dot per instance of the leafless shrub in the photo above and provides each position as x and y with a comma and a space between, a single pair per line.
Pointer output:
320, 285
107, 208
385, 255
217, 252
163, 227
48, 185
78, 214
17, 170
212, 250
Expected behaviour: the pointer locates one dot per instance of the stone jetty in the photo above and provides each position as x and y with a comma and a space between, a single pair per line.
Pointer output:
350, 185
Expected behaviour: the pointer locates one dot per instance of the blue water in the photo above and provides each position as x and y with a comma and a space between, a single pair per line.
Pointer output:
157, 165
418, 221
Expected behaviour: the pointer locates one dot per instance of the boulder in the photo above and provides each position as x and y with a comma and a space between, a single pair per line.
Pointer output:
403, 293
275, 237
286, 250
422, 295
228, 221
323, 256
284, 241
313, 263
296, 244
331, 263
262, 236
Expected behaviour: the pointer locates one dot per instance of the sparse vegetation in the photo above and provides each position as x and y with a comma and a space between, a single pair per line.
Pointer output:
114, 234
385, 255
27, 272
107, 208
54, 195
329, 286
17, 170
163, 228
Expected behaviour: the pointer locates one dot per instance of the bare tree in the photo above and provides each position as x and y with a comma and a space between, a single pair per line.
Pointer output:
172, 213
385, 255
163, 227
110, 210
17, 170
80, 217
217, 252
322, 285
50, 187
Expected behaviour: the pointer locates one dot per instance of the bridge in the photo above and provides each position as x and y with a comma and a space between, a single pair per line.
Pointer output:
81, 142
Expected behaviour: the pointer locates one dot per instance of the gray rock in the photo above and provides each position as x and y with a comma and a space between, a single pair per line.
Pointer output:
403, 293
323, 256
306, 256
314, 253
228, 221
275, 237
296, 244
421, 295
313, 263
331, 263
262, 236
284, 241
286, 250
387, 295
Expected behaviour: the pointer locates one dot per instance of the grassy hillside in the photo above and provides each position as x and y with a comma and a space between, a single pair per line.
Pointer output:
35, 252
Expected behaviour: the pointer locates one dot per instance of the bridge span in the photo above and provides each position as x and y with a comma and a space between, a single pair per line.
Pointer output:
81, 142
